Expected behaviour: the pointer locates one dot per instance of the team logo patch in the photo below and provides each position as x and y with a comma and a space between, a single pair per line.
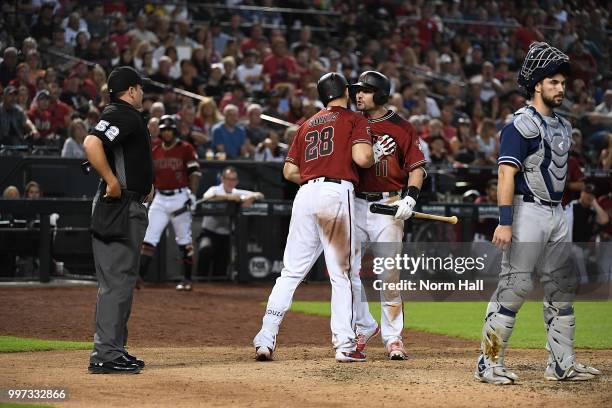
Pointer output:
259, 267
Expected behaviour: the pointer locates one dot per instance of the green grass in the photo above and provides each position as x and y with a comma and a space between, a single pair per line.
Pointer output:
10, 344
464, 320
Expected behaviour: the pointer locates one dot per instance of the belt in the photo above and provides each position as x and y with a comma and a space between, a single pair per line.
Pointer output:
376, 196
170, 192
532, 199
323, 179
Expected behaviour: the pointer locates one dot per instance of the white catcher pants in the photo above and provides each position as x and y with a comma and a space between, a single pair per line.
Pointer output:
321, 221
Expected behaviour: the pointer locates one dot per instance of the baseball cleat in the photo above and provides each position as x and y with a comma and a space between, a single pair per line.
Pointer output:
497, 375
363, 338
578, 372
350, 357
397, 351
264, 343
184, 285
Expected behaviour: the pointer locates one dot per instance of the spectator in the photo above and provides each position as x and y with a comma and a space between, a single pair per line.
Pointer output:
23, 98
119, 35
72, 95
215, 83
73, 146
60, 111
188, 130
23, 78
141, 33
32, 190
73, 25
485, 227
427, 105
587, 215
162, 75
96, 23
249, 73
528, 32
40, 115
13, 121
487, 142
437, 151
271, 150
584, 65
575, 176
153, 126
279, 67
273, 109
219, 38
605, 158
255, 130
255, 36
188, 79
208, 114
59, 45
11, 192
236, 97
8, 66
157, 110
228, 136
214, 241
81, 44
44, 25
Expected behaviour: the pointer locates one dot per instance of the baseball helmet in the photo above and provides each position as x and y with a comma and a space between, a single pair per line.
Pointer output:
167, 122
542, 61
376, 81
331, 86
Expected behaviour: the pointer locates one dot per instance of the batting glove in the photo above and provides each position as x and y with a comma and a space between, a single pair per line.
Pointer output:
384, 146
192, 200
404, 208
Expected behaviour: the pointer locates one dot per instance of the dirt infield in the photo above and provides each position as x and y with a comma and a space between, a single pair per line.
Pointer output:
198, 353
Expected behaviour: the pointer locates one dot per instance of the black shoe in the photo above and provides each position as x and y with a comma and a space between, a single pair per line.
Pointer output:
120, 365
135, 360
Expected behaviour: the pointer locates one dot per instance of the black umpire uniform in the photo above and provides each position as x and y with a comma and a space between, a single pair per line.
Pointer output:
119, 224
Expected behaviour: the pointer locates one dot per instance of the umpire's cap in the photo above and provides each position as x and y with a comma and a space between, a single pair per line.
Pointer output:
375, 81
124, 77
167, 122
542, 61
331, 86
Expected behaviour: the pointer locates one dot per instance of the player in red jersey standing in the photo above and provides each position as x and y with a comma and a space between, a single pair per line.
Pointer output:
323, 158
383, 184
177, 174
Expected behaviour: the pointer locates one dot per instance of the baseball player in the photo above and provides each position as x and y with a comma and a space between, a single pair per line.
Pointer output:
532, 226
383, 183
323, 158
177, 174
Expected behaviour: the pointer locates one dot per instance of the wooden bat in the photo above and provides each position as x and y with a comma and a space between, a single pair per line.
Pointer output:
391, 209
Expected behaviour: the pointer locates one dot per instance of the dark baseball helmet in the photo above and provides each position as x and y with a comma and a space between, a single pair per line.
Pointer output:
331, 86
376, 81
167, 122
542, 61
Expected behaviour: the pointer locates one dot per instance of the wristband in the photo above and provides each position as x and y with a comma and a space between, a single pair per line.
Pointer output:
505, 215
413, 191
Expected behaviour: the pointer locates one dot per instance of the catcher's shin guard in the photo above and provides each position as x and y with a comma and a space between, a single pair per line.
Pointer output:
560, 328
499, 323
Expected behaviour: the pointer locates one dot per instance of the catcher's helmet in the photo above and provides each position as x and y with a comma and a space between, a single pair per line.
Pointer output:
542, 61
331, 86
167, 122
373, 80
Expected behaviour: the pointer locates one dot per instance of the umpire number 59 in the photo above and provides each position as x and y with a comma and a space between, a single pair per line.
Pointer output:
319, 143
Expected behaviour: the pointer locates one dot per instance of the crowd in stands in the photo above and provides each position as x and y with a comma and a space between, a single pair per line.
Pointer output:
452, 64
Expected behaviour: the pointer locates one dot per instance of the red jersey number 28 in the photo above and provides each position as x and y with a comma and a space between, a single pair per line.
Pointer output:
319, 143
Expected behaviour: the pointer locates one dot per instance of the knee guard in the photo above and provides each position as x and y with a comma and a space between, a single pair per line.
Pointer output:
186, 254
560, 325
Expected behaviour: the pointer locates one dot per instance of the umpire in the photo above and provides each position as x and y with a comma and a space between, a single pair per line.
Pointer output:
119, 149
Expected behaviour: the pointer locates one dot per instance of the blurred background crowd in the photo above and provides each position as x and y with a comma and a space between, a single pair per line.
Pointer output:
223, 69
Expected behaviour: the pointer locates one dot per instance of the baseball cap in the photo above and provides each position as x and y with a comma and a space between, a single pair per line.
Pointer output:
124, 77
10, 90
42, 94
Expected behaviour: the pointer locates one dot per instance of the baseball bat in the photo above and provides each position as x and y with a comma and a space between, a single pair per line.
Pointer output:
391, 210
